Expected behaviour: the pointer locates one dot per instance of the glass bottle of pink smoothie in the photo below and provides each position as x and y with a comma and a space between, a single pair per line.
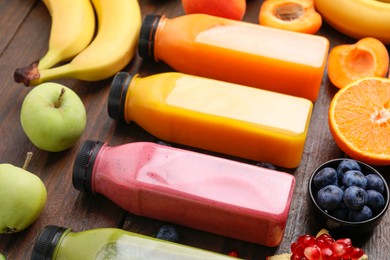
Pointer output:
196, 190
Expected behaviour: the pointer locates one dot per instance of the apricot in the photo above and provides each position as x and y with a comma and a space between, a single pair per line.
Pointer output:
231, 9
291, 15
349, 62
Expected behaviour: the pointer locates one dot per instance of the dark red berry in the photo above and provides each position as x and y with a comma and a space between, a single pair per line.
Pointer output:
312, 252
345, 241
358, 252
297, 248
298, 257
326, 253
233, 253
307, 240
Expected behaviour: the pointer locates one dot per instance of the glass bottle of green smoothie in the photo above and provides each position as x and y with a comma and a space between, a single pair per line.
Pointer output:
61, 243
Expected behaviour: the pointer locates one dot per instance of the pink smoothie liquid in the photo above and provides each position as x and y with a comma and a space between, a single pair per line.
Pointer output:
200, 191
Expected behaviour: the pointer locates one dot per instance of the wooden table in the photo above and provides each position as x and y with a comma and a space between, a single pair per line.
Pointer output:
24, 33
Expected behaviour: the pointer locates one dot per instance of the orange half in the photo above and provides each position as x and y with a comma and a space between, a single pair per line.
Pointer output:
359, 120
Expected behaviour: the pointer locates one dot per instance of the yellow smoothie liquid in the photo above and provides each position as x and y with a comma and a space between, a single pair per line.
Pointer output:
60, 243
223, 117
238, 52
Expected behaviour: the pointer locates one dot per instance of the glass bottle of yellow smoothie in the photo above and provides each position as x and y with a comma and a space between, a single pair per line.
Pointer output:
213, 115
59, 243
238, 52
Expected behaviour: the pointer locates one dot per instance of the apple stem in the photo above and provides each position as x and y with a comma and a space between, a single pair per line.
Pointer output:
58, 103
27, 161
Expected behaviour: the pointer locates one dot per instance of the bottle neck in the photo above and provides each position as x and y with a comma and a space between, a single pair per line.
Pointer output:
59, 244
128, 96
157, 34
84, 164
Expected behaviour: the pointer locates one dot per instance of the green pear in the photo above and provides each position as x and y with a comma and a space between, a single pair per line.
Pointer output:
22, 198
2, 257
53, 117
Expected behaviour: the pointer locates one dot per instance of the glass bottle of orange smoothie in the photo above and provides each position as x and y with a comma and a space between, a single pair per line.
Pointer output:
196, 190
238, 52
59, 243
213, 115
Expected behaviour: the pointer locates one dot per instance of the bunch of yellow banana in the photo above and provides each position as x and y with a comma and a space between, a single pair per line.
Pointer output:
357, 18
72, 29
119, 23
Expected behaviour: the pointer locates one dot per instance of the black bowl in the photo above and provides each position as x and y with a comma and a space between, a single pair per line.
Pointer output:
342, 226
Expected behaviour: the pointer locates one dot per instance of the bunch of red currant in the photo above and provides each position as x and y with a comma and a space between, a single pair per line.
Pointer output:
324, 247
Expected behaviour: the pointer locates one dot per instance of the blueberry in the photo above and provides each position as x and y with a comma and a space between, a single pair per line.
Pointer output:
355, 198
360, 215
169, 233
266, 165
375, 200
341, 213
354, 178
326, 176
330, 197
374, 182
346, 165
164, 143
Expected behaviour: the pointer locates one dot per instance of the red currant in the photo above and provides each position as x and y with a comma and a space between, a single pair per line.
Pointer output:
325, 241
324, 247
307, 240
349, 250
345, 241
297, 248
357, 253
326, 253
298, 257
338, 249
233, 253
312, 252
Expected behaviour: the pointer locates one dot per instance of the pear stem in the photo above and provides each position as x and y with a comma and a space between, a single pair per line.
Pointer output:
27, 161
58, 103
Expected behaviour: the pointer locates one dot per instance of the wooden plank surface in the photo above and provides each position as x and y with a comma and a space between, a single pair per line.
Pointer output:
25, 27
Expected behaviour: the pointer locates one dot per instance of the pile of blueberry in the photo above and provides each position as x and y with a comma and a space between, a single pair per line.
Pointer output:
349, 194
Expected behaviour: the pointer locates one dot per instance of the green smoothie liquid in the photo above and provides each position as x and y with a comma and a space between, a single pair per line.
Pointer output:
118, 244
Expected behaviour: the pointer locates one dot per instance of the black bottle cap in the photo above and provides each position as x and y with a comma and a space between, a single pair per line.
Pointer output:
117, 96
146, 39
83, 165
46, 242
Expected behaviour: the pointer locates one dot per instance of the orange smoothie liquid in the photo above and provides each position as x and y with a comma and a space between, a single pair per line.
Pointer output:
222, 117
238, 52
196, 190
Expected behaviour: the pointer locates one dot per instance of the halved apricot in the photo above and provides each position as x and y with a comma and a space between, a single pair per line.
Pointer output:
291, 15
349, 62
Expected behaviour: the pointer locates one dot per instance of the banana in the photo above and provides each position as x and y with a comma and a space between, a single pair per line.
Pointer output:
357, 18
72, 29
119, 24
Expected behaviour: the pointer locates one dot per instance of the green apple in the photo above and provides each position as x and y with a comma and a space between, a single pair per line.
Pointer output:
22, 198
2, 257
53, 117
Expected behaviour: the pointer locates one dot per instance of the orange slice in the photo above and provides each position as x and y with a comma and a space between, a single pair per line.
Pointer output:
359, 120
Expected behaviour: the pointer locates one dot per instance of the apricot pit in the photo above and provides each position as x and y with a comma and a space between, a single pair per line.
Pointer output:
294, 15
